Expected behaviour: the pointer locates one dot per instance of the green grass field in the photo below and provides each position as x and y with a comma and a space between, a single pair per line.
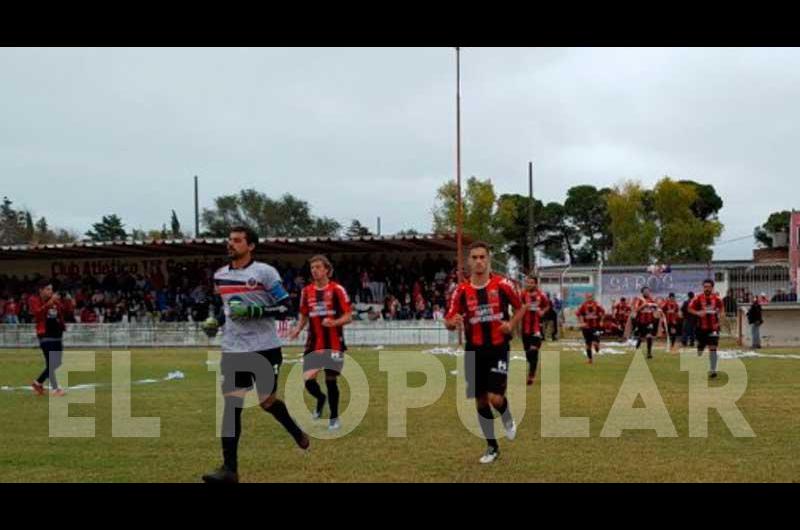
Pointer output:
438, 448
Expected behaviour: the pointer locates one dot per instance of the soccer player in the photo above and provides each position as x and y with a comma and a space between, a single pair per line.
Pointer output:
480, 305
707, 307
48, 314
253, 298
622, 312
645, 316
590, 314
672, 314
325, 306
536, 306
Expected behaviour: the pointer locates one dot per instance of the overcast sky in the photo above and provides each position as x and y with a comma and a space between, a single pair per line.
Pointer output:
361, 133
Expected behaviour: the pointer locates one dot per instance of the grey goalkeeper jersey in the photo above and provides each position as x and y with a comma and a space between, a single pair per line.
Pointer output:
255, 283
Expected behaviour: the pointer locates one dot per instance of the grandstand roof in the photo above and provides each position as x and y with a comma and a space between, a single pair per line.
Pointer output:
210, 246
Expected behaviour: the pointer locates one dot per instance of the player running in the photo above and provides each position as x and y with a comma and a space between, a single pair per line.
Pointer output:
480, 305
590, 314
253, 298
622, 313
707, 307
646, 315
536, 306
325, 306
672, 318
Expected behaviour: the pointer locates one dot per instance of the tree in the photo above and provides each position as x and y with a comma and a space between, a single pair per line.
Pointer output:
683, 236
777, 222
551, 235
660, 224
176, 227
110, 228
407, 232
356, 229
587, 210
478, 207
707, 203
285, 217
12, 225
633, 229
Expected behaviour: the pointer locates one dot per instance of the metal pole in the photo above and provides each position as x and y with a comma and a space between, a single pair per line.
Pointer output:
459, 216
531, 251
196, 210
379, 225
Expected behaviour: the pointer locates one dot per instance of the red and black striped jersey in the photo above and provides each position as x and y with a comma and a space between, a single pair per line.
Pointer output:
484, 311
535, 304
49, 319
591, 312
672, 311
645, 309
622, 311
318, 304
711, 307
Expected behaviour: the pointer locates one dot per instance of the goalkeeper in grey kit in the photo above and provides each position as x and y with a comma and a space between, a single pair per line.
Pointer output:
253, 298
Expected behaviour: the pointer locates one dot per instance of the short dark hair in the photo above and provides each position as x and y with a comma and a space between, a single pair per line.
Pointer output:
691, 294
479, 244
249, 234
643, 288
671, 295
43, 283
533, 276
322, 259
708, 280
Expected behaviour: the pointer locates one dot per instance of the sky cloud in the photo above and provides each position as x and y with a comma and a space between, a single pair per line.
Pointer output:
367, 132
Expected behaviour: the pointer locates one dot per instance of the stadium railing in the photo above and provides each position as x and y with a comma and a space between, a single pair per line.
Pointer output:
190, 334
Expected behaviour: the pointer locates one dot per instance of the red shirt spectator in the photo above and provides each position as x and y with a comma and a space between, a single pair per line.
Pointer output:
12, 308
88, 316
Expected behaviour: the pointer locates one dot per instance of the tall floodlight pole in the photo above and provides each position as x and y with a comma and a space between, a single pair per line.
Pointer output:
459, 213
531, 251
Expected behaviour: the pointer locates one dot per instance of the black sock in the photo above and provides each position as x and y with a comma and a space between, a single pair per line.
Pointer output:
649, 346
313, 388
231, 431
505, 412
638, 342
281, 413
589, 352
486, 421
333, 396
533, 360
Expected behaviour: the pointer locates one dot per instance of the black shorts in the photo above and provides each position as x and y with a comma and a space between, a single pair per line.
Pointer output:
532, 341
486, 370
328, 360
673, 332
643, 330
241, 370
591, 335
706, 338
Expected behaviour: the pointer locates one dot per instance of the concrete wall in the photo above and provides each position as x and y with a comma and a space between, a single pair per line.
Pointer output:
781, 326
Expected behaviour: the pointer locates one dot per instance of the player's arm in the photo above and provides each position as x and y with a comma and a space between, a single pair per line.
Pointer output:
693, 310
454, 318
516, 304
